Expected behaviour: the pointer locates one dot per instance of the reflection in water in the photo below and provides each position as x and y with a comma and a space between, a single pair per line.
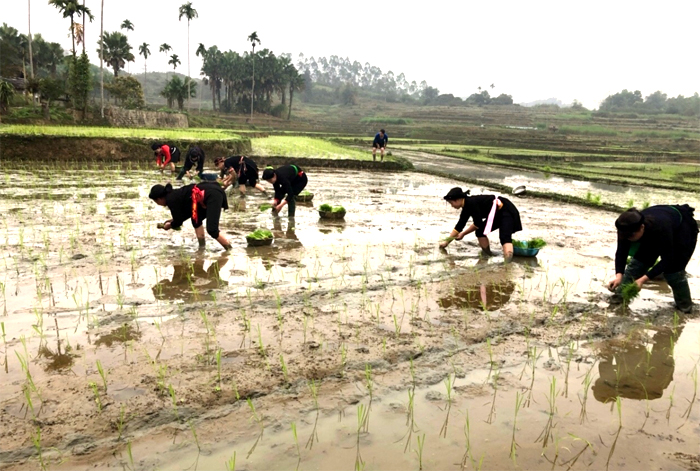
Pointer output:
486, 296
123, 334
188, 281
57, 360
635, 370
284, 248
328, 226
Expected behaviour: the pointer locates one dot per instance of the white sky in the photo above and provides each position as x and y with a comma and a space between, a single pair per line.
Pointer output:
530, 50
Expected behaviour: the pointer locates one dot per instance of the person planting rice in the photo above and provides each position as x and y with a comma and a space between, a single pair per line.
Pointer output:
380, 142
667, 231
488, 212
196, 202
195, 157
238, 168
287, 180
166, 155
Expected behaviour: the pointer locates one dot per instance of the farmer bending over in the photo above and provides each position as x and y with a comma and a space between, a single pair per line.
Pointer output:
194, 157
238, 168
489, 212
197, 202
287, 180
166, 155
380, 142
669, 232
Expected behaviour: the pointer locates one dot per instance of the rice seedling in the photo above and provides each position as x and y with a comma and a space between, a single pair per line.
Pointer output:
194, 435
468, 446
628, 291
670, 404
231, 463
120, 422
571, 462
296, 443
494, 383
691, 402
103, 374
419, 450
362, 418
546, 433
519, 398
218, 370
618, 403
96, 394
587, 380
283, 365
36, 441
173, 400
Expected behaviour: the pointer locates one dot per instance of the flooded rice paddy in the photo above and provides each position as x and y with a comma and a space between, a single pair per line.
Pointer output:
352, 344
596, 192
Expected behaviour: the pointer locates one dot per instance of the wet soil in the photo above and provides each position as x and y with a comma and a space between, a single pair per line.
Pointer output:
206, 353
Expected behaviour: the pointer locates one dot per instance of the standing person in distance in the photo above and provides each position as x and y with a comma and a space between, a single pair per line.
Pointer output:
289, 181
488, 213
197, 202
666, 231
238, 168
380, 142
166, 155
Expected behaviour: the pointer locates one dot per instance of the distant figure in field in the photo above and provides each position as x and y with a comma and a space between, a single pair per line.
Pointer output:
287, 180
669, 232
197, 202
238, 168
195, 157
166, 155
380, 142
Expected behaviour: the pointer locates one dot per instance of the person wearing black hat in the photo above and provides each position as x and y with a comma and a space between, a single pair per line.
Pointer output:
195, 156
669, 232
238, 168
165, 155
488, 212
196, 202
287, 180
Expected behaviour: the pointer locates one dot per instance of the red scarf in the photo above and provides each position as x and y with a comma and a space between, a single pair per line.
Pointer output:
197, 197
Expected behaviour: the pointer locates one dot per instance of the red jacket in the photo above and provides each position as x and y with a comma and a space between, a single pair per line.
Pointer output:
164, 155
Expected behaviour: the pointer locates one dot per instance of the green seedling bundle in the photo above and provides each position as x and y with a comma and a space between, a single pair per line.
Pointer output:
260, 234
535, 243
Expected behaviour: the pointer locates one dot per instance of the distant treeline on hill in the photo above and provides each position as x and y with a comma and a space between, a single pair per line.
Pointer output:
656, 103
340, 80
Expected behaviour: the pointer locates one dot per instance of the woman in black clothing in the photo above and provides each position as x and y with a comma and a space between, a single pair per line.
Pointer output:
194, 157
287, 180
238, 168
669, 232
197, 202
502, 214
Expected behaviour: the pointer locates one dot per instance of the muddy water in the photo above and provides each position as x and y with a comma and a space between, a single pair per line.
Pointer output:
348, 307
540, 181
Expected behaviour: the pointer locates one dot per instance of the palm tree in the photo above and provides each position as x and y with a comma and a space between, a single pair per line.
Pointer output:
296, 84
6, 93
174, 61
127, 25
190, 13
102, 69
29, 35
116, 51
69, 9
145, 52
253, 38
165, 47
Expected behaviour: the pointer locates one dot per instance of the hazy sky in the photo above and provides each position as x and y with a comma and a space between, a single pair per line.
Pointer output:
530, 50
